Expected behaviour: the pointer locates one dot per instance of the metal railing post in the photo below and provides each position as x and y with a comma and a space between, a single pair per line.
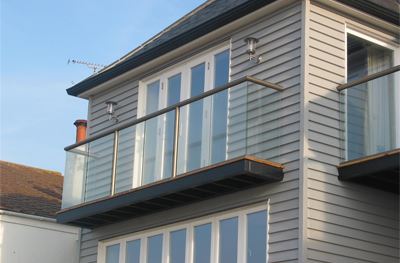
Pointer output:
176, 138
114, 162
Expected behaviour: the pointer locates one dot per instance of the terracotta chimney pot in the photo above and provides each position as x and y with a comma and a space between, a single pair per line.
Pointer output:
80, 130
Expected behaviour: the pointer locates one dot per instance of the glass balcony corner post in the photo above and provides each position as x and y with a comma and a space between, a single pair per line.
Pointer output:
176, 138
343, 124
114, 164
246, 149
85, 179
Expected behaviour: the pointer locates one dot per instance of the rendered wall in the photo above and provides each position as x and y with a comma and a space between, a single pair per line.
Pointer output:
26, 240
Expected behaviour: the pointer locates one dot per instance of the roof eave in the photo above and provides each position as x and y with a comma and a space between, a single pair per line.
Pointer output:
228, 16
180, 40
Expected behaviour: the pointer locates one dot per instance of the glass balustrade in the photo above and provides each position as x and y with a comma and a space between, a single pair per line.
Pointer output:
370, 117
237, 121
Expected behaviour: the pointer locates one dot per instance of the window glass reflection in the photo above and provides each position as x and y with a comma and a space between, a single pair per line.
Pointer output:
133, 251
154, 249
112, 254
220, 108
195, 118
257, 237
370, 105
177, 246
202, 243
228, 240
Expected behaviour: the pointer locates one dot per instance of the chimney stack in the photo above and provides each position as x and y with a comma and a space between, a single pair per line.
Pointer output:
80, 130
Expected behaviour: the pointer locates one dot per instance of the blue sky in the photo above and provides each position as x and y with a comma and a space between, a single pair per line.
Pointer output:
37, 39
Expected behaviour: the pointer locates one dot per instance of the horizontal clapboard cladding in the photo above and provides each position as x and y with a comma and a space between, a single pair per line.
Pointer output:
346, 222
280, 45
126, 97
284, 225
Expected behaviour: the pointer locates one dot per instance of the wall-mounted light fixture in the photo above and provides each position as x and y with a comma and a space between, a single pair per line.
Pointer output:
251, 49
111, 105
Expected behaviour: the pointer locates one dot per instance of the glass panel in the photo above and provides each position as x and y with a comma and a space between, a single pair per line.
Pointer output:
168, 142
177, 246
193, 158
252, 127
154, 249
133, 251
371, 116
174, 89
197, 79
220, 109
125, 159
371, 105
152, 97
228, 240
237, 127
252, 121
257, 237
365, 58
202, 244
112, 254
150, 151
255, 114
153, 147
75, 174
99, 168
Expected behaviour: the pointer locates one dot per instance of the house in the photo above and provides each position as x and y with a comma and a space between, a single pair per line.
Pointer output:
247, 131
29, 200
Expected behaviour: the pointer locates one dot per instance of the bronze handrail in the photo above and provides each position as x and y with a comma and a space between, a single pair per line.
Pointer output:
368, 78
178, 105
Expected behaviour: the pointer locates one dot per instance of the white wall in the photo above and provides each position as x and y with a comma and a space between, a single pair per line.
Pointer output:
31, 239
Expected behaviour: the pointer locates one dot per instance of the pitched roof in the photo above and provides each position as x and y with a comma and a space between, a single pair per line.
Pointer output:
30, 190
210, 16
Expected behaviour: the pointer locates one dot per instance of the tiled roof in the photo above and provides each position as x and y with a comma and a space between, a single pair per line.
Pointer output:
204, 19
30, 190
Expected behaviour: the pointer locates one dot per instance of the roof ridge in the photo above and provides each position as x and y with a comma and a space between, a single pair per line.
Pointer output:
32, 167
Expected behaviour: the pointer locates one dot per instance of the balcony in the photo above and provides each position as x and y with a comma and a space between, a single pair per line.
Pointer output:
371, 138
224, 140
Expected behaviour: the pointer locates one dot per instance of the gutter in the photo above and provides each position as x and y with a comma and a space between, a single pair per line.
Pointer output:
126, 64
178, 41
27, 216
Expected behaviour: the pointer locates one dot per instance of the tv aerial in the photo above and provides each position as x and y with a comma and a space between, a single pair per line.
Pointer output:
92, 66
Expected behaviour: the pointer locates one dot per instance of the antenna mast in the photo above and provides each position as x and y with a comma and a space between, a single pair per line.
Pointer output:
90, 65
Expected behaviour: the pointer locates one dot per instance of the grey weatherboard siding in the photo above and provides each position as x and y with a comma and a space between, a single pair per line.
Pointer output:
340, 222
345, 222
280, 35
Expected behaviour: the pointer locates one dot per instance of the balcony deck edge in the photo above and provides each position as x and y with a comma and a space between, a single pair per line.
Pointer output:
218, 176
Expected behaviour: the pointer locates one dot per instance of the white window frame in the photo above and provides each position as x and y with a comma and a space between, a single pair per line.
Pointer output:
184, 68
240, 213
369, 36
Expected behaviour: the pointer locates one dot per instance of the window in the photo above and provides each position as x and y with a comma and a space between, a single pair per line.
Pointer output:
203, 124
371, 113
177, 246
112, 254
132, 251
229, 237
